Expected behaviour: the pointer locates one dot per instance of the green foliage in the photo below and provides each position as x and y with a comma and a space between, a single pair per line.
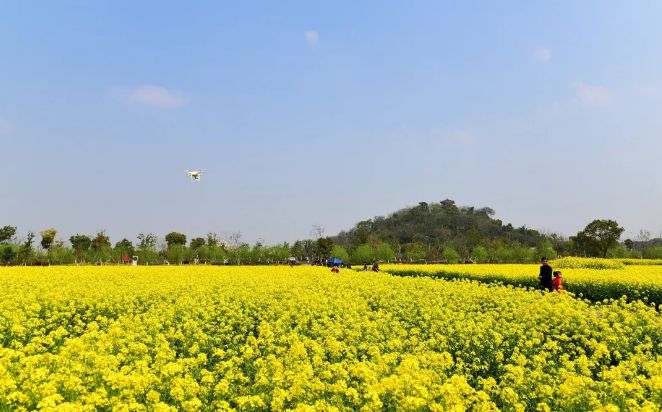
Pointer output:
60, 255
25, 252
297, 250
653, 252
148, 256
435, 224
124, 247
384, 252
340, 253
175, 238
598, 237
363, 254
8, 253
147, 241
415, 251
197, 242
47, 238
450, 255
480, 254
177, 254
101, 242
80, 244
324, 247
7, 233
544, 249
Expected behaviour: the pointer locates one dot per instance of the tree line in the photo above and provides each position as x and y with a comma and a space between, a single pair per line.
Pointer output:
437, 232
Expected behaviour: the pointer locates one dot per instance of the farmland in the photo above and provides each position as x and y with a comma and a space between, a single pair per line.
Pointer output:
246, 338
642, 282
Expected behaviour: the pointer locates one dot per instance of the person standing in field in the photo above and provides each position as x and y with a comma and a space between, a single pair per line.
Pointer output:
545, 276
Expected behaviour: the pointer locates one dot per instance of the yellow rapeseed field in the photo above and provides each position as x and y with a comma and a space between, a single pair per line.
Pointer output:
632, 281
277, 338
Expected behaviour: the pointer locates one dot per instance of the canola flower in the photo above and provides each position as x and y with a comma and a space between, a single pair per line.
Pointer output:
279, 338
632, 282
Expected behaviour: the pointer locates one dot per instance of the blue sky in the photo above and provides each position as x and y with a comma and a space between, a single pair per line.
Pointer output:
306, 113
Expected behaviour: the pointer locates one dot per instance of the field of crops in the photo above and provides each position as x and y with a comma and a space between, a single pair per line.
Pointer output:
277, 338
634, 282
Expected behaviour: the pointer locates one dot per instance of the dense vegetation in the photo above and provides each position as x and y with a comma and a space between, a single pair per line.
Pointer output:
429, 232
593, 279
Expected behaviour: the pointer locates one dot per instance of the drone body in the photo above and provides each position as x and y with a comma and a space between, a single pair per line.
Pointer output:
195, 175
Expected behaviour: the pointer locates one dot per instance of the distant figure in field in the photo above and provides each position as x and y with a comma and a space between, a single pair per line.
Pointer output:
335, 269
375, 267
545, 276
365, 267
557, 282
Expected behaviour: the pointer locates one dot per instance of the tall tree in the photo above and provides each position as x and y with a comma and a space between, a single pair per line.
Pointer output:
598, 236
147, 241
197, 243
124, 246
324, 246
7, 233
25, 252
80, 244
47, 238
175, 238
101, 241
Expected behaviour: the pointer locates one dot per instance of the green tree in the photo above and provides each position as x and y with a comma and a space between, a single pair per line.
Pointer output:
297, 250
177, 253
25, 252
47, 238
7, 233
80, 244
125, 247
340, 252
324, 246
175, 238
598, 237
480, 254
281, 252
8, 254
60, 255
415, 251
101, 242
197, 243
212, 239
384, 252
363, 254
147, 241
450, 255
545, 249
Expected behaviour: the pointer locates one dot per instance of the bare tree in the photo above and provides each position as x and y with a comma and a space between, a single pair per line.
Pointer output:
235, 239
316, 231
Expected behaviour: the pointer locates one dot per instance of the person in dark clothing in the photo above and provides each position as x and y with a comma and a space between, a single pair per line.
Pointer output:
545, 276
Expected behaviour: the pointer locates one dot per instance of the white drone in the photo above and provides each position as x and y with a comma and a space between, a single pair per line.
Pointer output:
195, 175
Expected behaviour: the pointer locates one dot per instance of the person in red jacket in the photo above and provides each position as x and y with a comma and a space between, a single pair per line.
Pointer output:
557, 282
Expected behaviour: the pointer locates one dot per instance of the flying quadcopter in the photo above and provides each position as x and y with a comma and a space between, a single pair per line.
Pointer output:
195, 175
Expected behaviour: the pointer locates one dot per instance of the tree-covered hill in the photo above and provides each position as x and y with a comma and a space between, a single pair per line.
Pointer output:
439, 225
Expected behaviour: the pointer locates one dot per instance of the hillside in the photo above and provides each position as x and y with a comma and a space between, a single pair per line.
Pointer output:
437, 225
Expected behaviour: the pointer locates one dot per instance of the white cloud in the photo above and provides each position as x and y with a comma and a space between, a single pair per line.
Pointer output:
158, 96
5, 126
591, 95
312, 38
542, 54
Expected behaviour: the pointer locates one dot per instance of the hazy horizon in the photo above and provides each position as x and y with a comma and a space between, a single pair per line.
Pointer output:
308, 114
